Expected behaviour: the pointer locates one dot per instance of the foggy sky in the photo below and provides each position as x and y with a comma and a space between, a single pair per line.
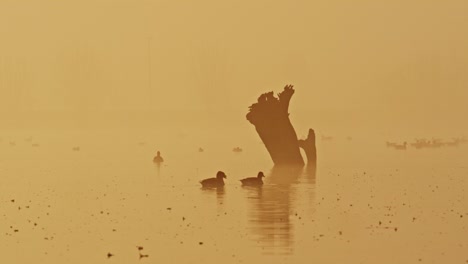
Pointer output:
355, 64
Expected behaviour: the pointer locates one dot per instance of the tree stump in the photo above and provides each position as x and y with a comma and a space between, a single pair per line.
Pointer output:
270, 117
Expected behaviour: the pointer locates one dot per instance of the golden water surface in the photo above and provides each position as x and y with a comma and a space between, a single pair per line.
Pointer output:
60, 205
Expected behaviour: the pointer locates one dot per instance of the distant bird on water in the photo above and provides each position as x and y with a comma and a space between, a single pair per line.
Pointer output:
237, 149
253, 181
402, 146
158, 159
214, 182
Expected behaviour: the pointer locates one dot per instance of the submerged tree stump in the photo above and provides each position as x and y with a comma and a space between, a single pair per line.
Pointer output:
270, 117
308, 145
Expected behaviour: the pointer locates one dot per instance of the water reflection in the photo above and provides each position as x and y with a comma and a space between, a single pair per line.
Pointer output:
158, 168
158, 160
310, 173
219, 191
273, 205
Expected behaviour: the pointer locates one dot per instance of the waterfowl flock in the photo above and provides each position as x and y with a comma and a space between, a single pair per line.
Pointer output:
218, 181
422, 143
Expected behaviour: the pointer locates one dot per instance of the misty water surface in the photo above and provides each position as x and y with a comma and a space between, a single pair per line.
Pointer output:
374, 205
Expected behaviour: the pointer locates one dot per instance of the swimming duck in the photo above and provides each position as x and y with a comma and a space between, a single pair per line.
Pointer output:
237, 149
253, 181
401, 147
158, 158
214, 182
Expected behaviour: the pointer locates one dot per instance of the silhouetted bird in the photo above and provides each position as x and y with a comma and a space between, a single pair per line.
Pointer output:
253, 181
237, 149
200, 150
401, 147
158, 158
109, 255
214, 182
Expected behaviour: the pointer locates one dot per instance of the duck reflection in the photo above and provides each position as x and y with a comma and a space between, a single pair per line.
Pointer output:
158, 168
273, 205
215, 184
219, 191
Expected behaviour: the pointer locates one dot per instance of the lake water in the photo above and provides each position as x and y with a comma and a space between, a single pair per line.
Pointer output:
363, 203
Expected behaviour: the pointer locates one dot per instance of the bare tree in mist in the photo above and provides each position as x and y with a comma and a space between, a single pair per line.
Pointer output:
270, 117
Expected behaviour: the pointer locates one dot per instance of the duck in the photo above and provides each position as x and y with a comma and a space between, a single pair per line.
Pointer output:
401, 147
214, 182
253, 181
237, 149
158, 158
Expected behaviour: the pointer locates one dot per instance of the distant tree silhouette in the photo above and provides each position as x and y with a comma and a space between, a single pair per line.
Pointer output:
270, 117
